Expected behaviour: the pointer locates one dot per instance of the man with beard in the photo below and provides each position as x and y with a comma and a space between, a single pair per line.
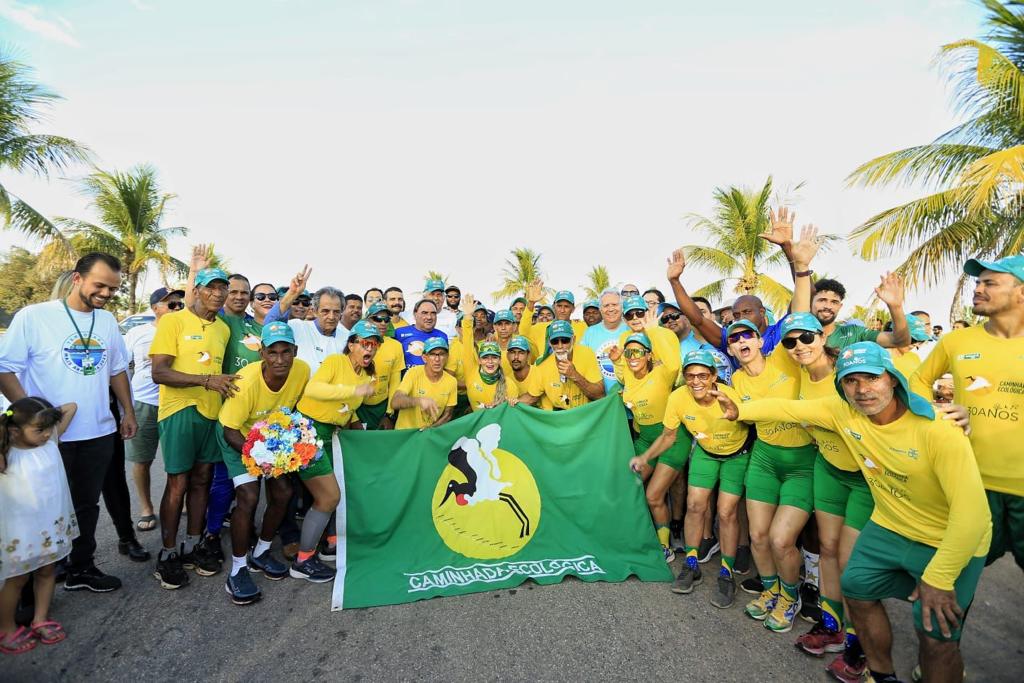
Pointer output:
567, 376
591, 312
395, 300
826, 303
351, 314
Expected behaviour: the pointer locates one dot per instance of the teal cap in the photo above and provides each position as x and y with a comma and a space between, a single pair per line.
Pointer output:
800, 321
434, 285
281, 291
434, 343
547, 306
364, 329
769, 315
633, 303
519, 342
488, 348
700, 357
591, 303
377, 307
504, 316
918, 332
560, 329
871, 358
1014, 265
479, 307
639, 338
743, 324
208, 275
564, 295
277, 331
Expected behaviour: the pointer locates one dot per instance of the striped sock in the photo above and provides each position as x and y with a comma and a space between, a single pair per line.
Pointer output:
664, 535
727, 564
770, 582
832, 614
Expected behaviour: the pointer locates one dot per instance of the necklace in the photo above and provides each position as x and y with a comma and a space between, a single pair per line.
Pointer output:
87, 367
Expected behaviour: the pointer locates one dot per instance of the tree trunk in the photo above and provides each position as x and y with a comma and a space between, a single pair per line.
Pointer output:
133, 283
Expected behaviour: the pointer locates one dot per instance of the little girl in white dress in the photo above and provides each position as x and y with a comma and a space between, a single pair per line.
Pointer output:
37, 518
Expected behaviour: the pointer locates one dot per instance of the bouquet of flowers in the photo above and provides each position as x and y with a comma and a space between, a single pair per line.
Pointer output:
282, 443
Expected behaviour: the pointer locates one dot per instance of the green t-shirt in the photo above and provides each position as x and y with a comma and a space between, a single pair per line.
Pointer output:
844, 335
244, 344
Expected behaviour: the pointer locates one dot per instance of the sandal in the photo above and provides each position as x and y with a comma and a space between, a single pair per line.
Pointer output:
146, 523
49, 632
19, 642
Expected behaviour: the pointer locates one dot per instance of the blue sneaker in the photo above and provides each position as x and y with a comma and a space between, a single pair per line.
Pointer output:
242, 588
270, 567
311, 570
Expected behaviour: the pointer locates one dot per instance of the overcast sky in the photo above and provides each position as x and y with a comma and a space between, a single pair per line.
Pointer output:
377, 139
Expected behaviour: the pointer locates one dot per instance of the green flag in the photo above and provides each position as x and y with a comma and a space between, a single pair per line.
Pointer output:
488, 501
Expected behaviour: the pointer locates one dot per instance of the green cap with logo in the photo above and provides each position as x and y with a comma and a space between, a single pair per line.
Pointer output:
434, 285
519, 342
364, 329
871, 358
565, 295
377, 307
519, 300
639, 338
1014, 265
277, 331
504, 316
804, 322
433, 343
488, 348
700, 357
557, 329
633, 303
741, 325
208, 275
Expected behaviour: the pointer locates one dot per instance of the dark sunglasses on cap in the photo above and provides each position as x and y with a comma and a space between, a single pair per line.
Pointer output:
806, 337
670, 317
745, 334
302, 301
631, 315
381, 319
175, 305
262, 296
561, 341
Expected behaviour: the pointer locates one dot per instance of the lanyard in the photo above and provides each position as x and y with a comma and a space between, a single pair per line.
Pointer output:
86, 339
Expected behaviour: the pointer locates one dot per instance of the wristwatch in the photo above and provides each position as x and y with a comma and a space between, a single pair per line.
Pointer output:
804, 273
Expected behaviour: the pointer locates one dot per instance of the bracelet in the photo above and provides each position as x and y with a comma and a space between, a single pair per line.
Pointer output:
804, 273
206, 383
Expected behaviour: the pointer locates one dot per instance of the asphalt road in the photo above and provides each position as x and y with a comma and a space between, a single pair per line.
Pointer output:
574, 630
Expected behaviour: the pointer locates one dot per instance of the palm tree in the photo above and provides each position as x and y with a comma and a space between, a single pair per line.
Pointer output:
130, 207
22, 151
599, 280
519, 271
741, 257
975, 171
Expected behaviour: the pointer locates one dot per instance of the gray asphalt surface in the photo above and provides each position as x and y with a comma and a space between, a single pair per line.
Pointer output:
570, 631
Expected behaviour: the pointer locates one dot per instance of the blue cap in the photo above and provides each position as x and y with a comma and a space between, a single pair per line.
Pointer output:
700, 357
560, 329
1014, 265
564, 295
504, 316
871, 358
281, 291
634, 303
742, 324
207, 275
277, 331
519, 342
918, 332
364, 329
800, 321
666, 306
547, 306
162, 293
434, 343
479, 307
434, 285
591, 303
377, 307
639, 338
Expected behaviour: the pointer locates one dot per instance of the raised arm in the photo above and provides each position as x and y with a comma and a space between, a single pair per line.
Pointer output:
801, 255
708, 328
890, 292
469, 357
202, 254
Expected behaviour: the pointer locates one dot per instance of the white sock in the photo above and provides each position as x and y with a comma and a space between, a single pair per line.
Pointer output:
238, 564
190, 543
261, 547
811, 568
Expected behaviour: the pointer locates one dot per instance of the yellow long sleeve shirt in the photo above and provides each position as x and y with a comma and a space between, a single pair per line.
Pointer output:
648, 397
330, 396
389, 362
924, 481
777, 380
830, 445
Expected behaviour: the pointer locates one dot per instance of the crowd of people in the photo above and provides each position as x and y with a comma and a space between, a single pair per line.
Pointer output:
835, 464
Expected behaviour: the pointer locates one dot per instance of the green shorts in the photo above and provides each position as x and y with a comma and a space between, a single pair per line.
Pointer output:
886, 565
841, 493
372, 415
143, 447
1007, 526
728, 472
779, 475
232, 460
187, 438
674, 457
325, 465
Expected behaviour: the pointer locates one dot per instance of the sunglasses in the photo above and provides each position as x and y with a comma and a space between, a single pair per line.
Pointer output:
561, 341
806, 337
302, 302
635, 353
369, 344
630, 292
670, 317
634, 314
745, 334
262, 296
381, 319
175, 305
453, 295
697, 376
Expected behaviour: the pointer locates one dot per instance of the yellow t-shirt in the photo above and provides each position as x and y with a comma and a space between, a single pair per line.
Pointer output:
198, 348
715, 434
389, 362
924, 481
906, 363
546, 382
988, 379
456, 364
830, 445
537, 333
415, 384
254, 400
777, 380
402, 322
330, 395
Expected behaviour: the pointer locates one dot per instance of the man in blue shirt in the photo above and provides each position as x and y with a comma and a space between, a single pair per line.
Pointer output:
604, 335
413, 337
671, 318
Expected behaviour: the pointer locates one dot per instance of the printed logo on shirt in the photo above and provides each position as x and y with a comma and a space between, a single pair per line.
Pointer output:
416, 348
192, 337
84, 359
969, 356
1005, 413
251, 342
1010, 387
852, 433
203, 358
979, 385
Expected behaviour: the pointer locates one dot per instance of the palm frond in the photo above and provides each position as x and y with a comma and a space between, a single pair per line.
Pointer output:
932, 163
774, 294
711, 258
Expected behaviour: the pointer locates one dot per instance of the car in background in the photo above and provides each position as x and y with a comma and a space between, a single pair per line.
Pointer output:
135, 320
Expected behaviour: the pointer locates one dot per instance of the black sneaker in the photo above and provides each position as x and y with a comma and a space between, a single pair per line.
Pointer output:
725, 596
707, 548
212, 543
753, 585
91, 579
743, 557
311, 570
134, 550
169, 570
687, 579
202, 560
810, 609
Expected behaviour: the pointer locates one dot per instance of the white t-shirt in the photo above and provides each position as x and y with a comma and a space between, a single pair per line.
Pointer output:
314, 347
51, 360
138, 340
447, 322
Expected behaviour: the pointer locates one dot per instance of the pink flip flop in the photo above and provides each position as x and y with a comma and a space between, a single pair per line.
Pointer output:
19, 642
49, 632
